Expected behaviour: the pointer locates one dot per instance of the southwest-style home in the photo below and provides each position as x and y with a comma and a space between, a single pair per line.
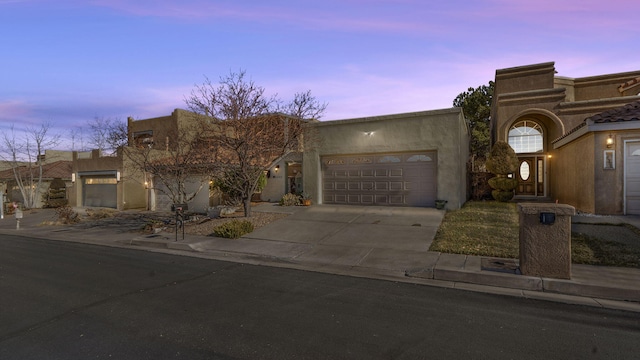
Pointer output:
577, 139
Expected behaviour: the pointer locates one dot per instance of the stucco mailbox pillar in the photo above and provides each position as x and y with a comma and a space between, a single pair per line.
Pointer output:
545, 239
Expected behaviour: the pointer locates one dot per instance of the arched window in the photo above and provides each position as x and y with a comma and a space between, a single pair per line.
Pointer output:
526, 137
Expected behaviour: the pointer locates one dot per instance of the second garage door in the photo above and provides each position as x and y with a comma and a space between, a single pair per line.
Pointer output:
394, 179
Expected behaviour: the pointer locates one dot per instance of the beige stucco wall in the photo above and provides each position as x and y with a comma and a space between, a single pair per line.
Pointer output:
573, 166
276, 182
444, 131
583, 181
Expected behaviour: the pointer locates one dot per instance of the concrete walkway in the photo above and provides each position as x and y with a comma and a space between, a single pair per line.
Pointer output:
373, 242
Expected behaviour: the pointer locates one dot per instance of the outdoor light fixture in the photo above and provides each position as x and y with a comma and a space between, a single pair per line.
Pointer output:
146, 184
609, 141
118, 176
368, 133
277, 168
73, 177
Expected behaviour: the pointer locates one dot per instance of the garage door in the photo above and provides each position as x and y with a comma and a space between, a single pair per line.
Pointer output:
393, 179
99, 191
632, 177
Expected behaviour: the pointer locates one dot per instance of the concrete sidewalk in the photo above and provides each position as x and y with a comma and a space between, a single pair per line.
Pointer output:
373, 242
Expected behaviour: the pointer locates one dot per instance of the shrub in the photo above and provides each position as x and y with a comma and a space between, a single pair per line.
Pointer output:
97, 214
290, 200
66, 215
502, 161
233, 229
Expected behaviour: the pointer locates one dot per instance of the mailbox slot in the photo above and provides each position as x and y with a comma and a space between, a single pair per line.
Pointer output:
547, 218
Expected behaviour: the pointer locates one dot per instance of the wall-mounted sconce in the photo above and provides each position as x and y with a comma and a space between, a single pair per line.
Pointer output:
368, 133
146, 185
276, 169
610, 142
118, 176
549, 156
73, 177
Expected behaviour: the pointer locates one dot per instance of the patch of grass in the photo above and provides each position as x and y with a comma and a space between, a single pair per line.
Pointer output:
594, 251
482, 228
490, 228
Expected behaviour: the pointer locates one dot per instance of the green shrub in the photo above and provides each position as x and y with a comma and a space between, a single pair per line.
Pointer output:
290, 200
503, 183
502, 161
233, 229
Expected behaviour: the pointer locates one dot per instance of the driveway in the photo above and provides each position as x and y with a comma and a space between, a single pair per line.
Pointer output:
393, 238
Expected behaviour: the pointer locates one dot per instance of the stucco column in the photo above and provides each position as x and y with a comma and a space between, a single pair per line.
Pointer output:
545, 239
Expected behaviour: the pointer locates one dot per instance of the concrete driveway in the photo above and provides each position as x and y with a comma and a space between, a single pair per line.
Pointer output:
392, 238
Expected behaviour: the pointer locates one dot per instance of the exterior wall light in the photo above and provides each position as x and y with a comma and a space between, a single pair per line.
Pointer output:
368, 133
276, 169
118, 176
73, 177
609, 141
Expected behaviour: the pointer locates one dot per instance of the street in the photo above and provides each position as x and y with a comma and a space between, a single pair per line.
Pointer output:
64, 300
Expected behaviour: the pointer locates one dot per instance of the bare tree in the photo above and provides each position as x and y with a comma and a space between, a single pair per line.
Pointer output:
107, 134
248, 129
24, 154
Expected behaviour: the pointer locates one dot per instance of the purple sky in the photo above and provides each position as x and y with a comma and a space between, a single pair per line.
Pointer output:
68, 61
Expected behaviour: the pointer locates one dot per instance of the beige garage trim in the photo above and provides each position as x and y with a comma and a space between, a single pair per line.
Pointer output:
389, 179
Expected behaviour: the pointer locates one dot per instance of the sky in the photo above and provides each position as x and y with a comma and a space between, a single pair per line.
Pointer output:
66, 62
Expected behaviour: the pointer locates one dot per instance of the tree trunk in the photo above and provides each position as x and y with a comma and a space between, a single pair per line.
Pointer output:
247, 207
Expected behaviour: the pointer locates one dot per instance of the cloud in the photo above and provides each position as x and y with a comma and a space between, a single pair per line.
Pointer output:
330, 15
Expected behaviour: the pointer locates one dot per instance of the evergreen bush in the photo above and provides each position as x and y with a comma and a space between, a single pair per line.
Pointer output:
502, 161
233, 229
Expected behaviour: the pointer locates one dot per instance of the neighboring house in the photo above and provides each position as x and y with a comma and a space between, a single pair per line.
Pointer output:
577, 139
115, 181
50, 171
99, 181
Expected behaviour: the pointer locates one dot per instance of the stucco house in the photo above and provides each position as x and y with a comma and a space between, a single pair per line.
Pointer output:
116, 181
51, 171
410, 159
577, 139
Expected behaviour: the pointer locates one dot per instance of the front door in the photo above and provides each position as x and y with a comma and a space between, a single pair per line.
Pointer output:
530, 175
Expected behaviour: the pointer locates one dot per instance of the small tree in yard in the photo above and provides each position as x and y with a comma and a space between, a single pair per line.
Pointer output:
24, 154
249, 130
502, 161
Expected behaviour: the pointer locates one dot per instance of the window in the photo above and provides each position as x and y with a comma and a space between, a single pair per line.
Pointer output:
526, 137
143, 138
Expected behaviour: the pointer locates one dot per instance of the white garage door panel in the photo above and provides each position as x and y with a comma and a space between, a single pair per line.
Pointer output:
407, 179
632, 177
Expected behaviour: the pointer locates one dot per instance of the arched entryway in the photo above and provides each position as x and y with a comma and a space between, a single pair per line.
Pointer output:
527, 138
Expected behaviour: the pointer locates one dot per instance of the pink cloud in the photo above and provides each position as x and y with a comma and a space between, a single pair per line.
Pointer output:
14, 109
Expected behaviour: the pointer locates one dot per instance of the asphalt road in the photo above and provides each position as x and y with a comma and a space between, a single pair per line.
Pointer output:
63, 300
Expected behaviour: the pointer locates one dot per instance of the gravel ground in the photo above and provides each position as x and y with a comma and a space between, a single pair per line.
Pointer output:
206, 225
141, 221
